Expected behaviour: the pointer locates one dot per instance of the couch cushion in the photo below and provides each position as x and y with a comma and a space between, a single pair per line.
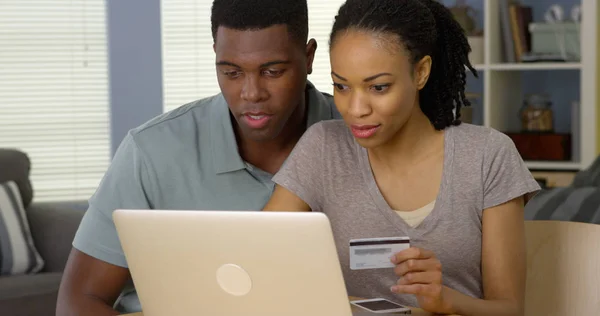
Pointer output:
29, 295
575, 204
29, 285
18, 254
53, 227
16, 167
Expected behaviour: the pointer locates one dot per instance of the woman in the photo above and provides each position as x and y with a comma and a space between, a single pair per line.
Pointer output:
401, 164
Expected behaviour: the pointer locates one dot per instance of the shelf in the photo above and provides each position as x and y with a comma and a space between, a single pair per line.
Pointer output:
553, 165
504, 86
535, 66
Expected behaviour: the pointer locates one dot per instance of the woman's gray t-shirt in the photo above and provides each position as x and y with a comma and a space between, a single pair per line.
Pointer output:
330, 171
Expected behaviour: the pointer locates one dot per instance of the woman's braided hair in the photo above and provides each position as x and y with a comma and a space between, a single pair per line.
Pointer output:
424, 27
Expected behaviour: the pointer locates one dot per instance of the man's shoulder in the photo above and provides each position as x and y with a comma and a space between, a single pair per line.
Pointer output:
178, 124
324, 100
328, 99
193, 112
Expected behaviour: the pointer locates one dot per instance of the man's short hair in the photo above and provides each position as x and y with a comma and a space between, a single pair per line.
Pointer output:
259, 14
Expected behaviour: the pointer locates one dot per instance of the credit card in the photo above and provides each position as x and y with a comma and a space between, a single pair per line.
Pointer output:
375, 253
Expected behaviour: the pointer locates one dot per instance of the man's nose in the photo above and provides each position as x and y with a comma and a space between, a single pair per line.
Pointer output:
252, 90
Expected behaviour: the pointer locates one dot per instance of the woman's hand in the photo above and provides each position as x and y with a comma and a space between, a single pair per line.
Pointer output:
420, 274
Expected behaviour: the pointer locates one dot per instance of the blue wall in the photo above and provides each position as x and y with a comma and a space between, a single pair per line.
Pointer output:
135, 66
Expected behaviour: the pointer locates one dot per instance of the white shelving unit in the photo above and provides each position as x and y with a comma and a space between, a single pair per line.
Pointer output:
502, 84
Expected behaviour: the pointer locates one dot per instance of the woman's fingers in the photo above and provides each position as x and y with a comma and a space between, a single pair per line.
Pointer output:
412, 253
418, 265
426, 277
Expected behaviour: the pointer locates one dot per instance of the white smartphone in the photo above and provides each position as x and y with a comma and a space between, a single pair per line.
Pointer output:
380, 306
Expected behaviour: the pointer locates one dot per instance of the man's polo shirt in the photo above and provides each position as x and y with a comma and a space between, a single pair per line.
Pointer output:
186, 159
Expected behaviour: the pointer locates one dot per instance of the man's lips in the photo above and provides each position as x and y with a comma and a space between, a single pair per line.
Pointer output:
256, 119
256, 115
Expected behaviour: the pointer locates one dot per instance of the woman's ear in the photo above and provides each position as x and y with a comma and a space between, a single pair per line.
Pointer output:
422, 71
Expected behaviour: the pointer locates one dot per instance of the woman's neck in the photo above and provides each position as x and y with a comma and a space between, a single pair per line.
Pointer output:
415, 141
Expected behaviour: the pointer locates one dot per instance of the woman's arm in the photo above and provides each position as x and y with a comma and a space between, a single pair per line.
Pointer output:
503, 269
504, 266
506, 184
282, 200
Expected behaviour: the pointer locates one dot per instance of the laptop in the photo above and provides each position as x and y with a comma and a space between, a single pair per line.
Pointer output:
233, 263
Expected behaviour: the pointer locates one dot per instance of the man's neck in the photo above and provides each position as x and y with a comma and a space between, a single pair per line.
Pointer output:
416, 140
270, 155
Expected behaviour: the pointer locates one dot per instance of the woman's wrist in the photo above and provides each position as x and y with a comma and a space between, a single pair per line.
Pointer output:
449, 301
456, 303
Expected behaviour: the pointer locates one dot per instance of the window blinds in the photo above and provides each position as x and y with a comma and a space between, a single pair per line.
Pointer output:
54, 93
189, 61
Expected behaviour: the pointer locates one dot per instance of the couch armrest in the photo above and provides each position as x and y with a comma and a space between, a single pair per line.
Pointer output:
53, 227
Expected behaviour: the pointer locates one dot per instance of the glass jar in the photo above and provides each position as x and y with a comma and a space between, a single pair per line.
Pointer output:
536, 114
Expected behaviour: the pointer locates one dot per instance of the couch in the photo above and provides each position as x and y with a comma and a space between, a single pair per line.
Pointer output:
53, 226
577, 202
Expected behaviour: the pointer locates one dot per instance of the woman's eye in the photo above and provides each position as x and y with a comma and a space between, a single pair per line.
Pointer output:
380, 88
339, 86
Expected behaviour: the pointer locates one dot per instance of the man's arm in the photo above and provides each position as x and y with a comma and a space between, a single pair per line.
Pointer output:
89, 286
97, 271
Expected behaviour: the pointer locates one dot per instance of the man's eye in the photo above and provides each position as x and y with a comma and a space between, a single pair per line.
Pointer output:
273, 72
232, 73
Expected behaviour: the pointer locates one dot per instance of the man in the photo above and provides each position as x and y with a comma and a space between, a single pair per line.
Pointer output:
215, 153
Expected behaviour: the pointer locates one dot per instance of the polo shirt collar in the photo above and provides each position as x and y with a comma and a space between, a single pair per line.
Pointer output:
226, 157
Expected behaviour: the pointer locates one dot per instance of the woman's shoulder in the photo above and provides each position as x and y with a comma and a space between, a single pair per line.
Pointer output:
482, 137
475, 145
487, 147
333, 126
334, 137
334, 129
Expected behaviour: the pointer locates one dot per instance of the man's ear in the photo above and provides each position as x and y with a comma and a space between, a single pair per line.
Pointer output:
214, 47
311, 48
423, 71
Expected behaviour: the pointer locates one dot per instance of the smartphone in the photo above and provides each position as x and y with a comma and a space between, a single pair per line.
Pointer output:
380, 306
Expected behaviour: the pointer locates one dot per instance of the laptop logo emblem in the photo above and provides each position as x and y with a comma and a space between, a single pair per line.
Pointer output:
234, 280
